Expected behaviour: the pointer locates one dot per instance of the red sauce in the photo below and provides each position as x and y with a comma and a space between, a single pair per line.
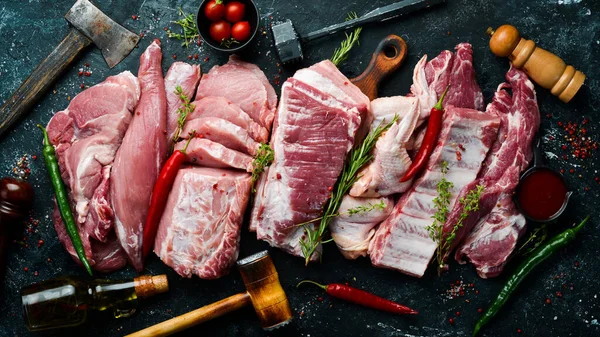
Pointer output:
541, 194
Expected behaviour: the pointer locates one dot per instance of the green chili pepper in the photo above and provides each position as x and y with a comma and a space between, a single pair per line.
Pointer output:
536, 257
62, 199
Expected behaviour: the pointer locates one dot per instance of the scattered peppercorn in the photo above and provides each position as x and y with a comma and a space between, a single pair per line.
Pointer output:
548, 301
480, 310
451, 320
25, 269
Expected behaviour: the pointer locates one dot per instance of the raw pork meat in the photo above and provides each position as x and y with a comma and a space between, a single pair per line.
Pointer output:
243, 84
402, 241
205, 152
140, 157
500, 225
352, 233
390, 159
87, 135
313, 132
220, 107
223, 132
187, 77
199, 232
464, 91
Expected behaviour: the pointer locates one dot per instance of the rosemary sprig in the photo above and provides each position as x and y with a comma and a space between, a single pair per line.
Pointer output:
535, 239
229, 42
185, 109
341, 54
352, 211
264, 157
188, 27
358, 158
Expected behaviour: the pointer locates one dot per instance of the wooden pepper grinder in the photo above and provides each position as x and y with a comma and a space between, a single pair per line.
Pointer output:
16, 198
545, 68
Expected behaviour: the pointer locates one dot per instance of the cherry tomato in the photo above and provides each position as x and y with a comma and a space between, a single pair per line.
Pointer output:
235, 11
214, 10
241, 31
220, 30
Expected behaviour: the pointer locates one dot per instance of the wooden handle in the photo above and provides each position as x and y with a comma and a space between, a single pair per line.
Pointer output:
195, 317
545, 68
40, 80
388, 56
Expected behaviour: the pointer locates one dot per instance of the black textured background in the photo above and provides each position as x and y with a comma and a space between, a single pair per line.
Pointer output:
570, 28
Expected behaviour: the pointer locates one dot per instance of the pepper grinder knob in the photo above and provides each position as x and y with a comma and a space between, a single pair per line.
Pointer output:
545, 68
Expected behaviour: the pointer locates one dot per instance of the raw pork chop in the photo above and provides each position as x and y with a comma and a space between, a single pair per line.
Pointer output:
243, 84
402, 241
187, 77
205, 152
223, 132
140, 157
213, 106
313, 133
390, 160
352, 233
500, 225
199, 232
87, 135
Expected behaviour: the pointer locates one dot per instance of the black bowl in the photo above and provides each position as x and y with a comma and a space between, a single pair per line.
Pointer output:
251, 16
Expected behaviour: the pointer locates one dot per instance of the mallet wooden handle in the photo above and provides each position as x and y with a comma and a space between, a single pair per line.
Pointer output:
195, 317
40, 80
545, 68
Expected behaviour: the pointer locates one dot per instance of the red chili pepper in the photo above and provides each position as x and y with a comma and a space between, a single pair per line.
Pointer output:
160, 193
429, 141
363, 298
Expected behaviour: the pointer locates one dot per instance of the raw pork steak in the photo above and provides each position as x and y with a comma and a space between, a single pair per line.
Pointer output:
199, 232
185, 76
402, 241
205, 152
140, 157
87, 135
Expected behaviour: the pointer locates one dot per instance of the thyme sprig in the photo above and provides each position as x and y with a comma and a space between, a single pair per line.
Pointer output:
358, 158
341, 54
188, 27
185, 109
264, 157
537, 237
227, 43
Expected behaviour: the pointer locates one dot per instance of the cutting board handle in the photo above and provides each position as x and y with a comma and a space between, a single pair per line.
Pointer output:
388, 56
40, 80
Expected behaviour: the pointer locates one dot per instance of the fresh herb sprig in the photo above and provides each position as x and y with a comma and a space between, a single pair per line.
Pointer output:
227, 43
189, 29
185, 109
341, 54
358, 158
264, 157
535, 239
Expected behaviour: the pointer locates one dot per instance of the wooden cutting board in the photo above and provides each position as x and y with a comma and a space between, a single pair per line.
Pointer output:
387, 58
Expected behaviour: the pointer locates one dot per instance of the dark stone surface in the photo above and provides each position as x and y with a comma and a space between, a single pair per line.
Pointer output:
570, 28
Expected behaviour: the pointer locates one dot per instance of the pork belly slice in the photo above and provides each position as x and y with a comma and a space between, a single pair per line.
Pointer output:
207, 153
187, 77
212, 106
223, 132
381, 177
140, 157
87, 135
312, 135
243, 84
352, 233
402, 241
498, 224
199, 232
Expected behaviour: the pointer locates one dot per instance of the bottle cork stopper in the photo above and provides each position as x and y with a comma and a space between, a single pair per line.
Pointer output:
148, 285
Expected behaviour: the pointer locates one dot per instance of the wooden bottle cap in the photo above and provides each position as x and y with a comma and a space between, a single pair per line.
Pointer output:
148, 285
543, 67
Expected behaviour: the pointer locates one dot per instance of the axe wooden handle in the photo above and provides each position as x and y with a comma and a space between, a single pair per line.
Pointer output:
41, 79
195, 317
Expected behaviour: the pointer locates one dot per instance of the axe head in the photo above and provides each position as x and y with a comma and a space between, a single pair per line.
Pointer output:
114, 40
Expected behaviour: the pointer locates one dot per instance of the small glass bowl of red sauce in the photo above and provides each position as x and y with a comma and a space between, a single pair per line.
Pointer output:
542, 194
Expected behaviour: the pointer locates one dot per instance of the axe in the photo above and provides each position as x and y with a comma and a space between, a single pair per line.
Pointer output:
88, 25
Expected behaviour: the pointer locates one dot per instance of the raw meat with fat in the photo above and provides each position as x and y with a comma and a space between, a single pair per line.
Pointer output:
243, 84
207, 153
185, 76
140, 157
223, 132
199, 232
402, 241
353, 232
87, 135
313, 132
